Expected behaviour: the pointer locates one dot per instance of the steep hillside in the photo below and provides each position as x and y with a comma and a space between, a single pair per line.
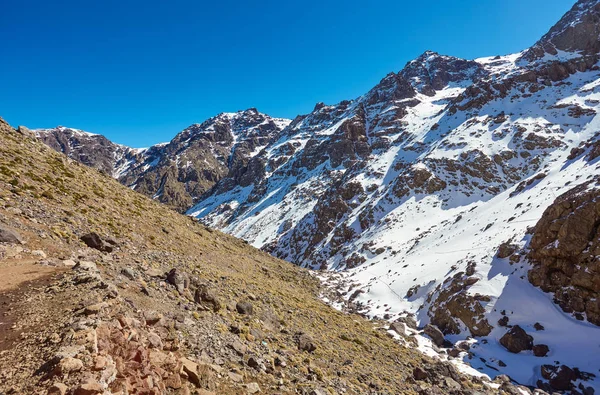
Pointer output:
153, 302
179, 172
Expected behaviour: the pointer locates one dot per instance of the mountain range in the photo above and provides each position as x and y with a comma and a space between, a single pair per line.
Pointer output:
460, 193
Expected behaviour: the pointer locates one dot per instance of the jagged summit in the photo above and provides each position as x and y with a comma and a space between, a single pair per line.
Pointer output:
576, 33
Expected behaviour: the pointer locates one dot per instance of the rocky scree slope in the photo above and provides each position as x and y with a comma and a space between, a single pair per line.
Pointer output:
419, 195
176, 173
139, 299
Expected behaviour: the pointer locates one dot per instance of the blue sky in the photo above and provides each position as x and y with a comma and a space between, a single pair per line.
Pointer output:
141, 71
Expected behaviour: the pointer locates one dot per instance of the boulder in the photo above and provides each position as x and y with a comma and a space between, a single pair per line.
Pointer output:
8, 235
434, 334
206, 296
540, 350
305, 343
559, 377
178, 279
244, 308
57, 389
93, 240
517, 340
68, 365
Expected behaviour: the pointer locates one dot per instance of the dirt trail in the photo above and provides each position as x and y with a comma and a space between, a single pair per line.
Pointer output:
15, 272
18, 278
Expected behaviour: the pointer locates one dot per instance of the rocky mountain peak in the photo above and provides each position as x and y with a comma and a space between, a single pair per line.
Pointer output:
576, 33
431, 72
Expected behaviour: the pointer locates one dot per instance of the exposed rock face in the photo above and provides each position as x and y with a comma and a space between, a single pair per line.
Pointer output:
577, 31
93, 150
564, 248
179, 172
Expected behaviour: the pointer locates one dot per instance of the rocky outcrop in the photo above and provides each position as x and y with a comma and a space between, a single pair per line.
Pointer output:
563, 252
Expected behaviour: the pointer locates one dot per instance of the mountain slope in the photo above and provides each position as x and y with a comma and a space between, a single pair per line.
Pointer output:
410, 191
179, 172
157, 303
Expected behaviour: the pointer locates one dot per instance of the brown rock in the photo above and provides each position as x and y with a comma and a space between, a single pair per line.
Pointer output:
68, 365
89, 387
435, 334
57, 389
305, 343
8, 235
516, 340
540, 350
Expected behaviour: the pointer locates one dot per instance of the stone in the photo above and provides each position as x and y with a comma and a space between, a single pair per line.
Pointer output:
57, 389
190, 368
244, 308
93, 240
8, 235
408, 321
235, 377
129, 273
95, 308
538, 326
398, 327
178, 279
39, 253
89, 387
306, 343
559, 378
69, 263
155, 341
419, 374
252, 388
503, 321
206, 296
68, 365
435, 334
517, 340
540, 350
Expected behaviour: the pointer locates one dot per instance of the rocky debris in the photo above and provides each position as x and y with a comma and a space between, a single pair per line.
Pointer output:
559, 377
69, 365
408, 320
57, 389
517, 340
253, 388
129, 273
503, 321
305, 342
434, 334
506, 249
204, 295
244, 307
563, 250
8, 235
540, 350
178, 279
454, 304
95, 241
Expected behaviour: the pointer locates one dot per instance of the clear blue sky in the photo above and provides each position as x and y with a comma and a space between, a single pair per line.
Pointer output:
140, 71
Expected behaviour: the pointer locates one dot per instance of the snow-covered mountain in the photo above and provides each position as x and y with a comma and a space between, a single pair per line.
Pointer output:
176, 173
418, 196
